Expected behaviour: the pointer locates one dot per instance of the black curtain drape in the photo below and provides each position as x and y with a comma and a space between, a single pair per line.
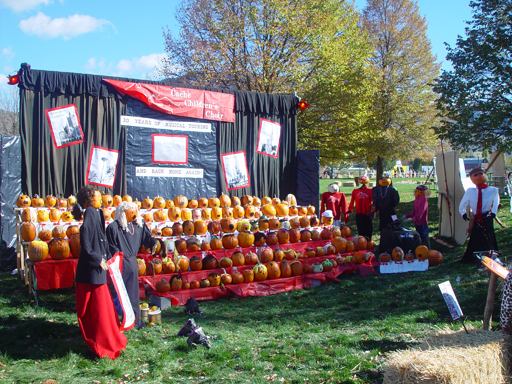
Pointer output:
48, 170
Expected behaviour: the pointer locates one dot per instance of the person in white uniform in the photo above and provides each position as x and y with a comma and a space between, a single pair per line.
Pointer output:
483, 202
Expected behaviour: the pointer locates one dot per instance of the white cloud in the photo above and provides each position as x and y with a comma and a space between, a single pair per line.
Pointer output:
22, 5
42, 25
8, 53
137, 65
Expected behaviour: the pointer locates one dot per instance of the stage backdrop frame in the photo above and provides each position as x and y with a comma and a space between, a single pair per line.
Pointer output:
62, 171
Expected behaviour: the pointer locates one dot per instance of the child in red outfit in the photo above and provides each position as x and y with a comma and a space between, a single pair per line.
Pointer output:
335, 201
362, 198
419, 214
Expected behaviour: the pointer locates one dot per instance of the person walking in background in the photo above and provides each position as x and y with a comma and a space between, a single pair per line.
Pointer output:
362, 199
97, 316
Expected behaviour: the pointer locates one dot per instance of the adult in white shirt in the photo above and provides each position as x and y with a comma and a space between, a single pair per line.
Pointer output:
483, 202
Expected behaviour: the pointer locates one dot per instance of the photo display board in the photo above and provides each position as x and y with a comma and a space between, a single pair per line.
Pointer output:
169, 155
65, 126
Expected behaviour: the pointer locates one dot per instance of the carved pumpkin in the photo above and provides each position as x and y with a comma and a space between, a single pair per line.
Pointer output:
397, 254
45, 234
23, 201
162, 286
28, 231
268, 210
188, 227
266, 254
177, 229
37, 202
59, 232
296, 268
311, 210
214, 278
229, 241
147, 203
384, 181
238, 258
202, 202
421, 252
180, 201
329, 249
213, 202
174, 214
273, 270
176, 282
42, 216
37, 250
160, 216
58, 249
225, 262
248, 275
66, 217
186, 214
214, 227
245, 239
272, 238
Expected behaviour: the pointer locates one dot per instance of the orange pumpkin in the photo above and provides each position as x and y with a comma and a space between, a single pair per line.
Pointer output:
213, 202
147, 203
50, 201
162, 286
168, 204
237, 277
268, 210
37, 250
248, 275
59, 249
42, 216
286, 269
66, 217
28, 231
200, 227
397, 254
238, 258
28, 214
174, 214
266, 254
296, 268
360, 243
421, 252
273, 270
434, 257
195, 284
181, 201
346, 231
37, 202
349, 246
250, 211
260, 272
229, 241
193, 204
186, 214
246, 239
55, 215
45, 234
313, 221
227, 212
160, 216
256, 201
225, 201
206, 214
74, 246
202, 202
215, 243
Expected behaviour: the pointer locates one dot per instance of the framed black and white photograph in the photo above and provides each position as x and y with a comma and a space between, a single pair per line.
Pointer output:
170, 149
102, 167
235, 170
65, 126
269, 138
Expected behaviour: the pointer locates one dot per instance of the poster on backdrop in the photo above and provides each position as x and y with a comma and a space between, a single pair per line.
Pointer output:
170, 149
235, 170
269, 138
65, 126
102, 167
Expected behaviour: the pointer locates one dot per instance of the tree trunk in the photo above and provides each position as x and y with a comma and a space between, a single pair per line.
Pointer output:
380, 168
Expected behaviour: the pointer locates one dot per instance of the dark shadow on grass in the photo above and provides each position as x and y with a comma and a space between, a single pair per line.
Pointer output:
38, 339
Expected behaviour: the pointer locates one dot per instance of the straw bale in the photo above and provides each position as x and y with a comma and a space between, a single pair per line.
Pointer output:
448, 357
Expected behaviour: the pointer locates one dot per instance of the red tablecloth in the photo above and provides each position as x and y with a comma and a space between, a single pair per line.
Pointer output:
54, 274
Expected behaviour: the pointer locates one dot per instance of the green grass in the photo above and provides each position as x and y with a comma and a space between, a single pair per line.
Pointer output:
335, 333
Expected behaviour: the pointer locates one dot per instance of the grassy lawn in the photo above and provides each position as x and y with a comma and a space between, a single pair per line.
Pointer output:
334, 333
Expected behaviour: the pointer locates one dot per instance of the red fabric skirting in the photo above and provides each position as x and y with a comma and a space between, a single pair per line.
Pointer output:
98, 320
54, 274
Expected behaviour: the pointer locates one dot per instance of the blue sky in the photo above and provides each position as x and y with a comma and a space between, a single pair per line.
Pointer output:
125, 38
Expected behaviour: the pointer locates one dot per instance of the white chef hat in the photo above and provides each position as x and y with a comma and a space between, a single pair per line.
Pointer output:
327, 213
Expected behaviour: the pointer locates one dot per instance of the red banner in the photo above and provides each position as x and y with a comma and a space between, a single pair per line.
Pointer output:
187, 102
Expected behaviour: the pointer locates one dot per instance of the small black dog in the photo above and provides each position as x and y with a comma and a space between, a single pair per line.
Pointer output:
195, 333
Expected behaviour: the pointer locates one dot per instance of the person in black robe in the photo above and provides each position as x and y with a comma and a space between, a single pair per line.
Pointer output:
385, 198
126, 234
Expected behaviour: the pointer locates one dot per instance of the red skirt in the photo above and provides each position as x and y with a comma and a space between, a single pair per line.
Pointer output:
98, 320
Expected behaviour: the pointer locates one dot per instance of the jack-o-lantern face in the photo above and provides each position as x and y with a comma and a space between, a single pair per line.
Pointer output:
363, 179
384, 181
131, 214
96, 200
419, 192
478, 177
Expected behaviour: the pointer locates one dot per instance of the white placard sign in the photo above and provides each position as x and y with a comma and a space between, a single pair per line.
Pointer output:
196, 173
451, 300
404, 266
145, 122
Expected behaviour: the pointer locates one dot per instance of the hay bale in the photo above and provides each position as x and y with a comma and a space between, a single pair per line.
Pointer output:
480, 357
349, 184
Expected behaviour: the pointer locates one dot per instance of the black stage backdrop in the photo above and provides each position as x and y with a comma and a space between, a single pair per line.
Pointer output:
61, 172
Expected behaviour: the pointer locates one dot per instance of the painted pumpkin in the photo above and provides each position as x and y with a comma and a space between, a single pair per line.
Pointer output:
397, 254
55, 215
238, 258
214, 278
214, 227
186, 214
42, 216
180, 201
248, 275
286, 269
192, 204
224, 201
37, 202
225, 262
421, 252
202, 202
266, 254
260, 272
107, 200
296, 268
245, 239
200, 227
50, 201
174, 214
66, 217
384, 258
28, 231
213, 202
23, 201
273, 270
37, 250
272, 238
160, 216
45, 234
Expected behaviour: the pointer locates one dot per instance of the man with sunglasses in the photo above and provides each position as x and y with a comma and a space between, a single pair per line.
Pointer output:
483, 202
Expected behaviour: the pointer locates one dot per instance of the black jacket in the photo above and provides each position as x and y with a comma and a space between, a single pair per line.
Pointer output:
94, 247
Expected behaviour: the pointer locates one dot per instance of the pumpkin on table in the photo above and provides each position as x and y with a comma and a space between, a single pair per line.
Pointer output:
162, 286
37, 250
28, 231
23, 201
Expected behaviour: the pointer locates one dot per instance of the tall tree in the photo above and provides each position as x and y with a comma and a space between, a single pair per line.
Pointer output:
403, 108
476, 96
9, 111
315, 48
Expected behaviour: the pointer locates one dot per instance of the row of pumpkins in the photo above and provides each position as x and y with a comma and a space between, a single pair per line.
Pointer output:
421, 252
262, 270
178, 209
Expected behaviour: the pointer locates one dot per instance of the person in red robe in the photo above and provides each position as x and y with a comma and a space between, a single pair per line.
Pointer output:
362, 199
97, 316
336, 202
